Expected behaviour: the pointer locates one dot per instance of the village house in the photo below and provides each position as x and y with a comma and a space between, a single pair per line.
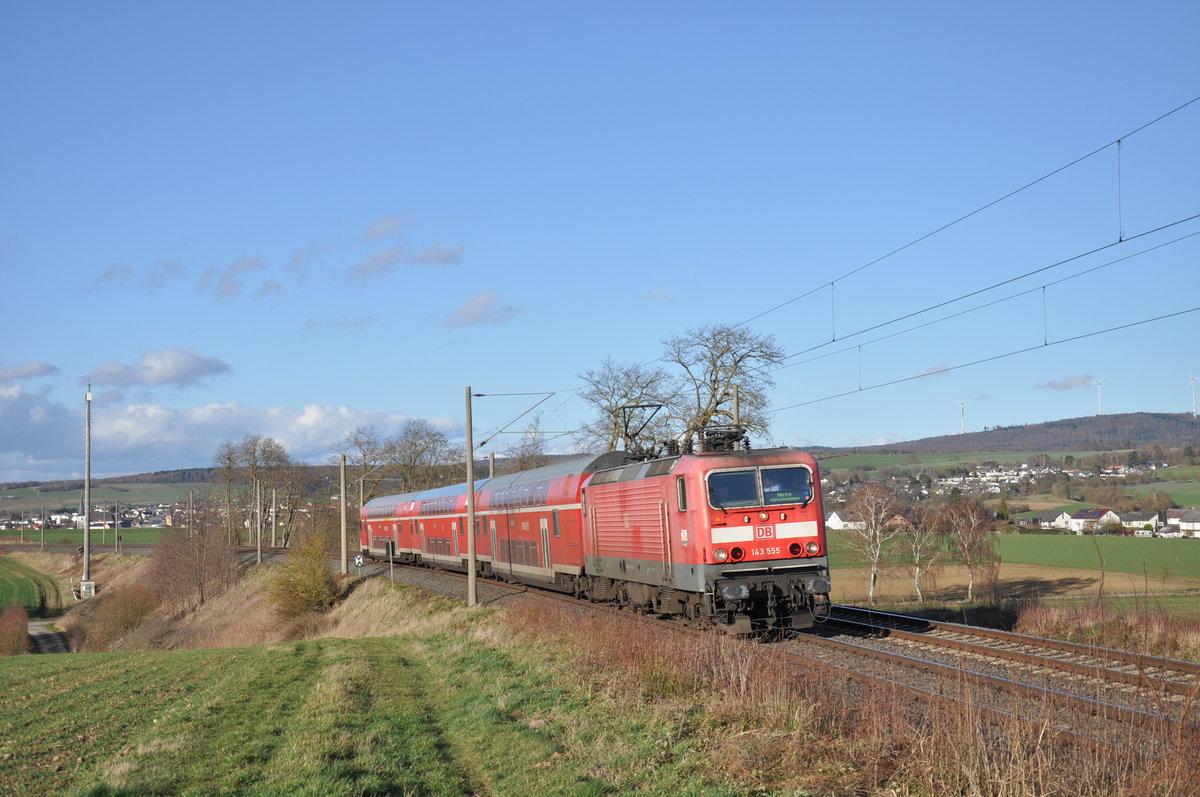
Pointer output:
1189, 523
1143, 524
1090, 521
1043, 519
843, 520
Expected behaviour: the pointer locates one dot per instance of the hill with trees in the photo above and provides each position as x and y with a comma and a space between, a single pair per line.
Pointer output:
1094, 433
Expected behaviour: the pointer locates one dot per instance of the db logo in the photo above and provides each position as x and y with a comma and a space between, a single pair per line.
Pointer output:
764, 532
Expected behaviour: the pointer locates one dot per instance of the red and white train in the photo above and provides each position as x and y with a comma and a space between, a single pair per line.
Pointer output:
736, 538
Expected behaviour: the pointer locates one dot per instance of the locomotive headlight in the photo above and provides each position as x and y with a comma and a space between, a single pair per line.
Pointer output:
763, 516
812, 547
720, 554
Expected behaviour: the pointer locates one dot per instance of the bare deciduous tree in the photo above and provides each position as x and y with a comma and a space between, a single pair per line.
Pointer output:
712, 359
421, 454
876, 507
192, 563
616, 385
923, 542
971, 536
528, 452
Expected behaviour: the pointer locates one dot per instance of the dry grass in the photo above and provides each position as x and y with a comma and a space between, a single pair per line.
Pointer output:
14, 632
1145, 629
821, 733
1020, 581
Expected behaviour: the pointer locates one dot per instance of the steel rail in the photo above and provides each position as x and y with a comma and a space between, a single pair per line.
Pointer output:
1141, 680
1110, 654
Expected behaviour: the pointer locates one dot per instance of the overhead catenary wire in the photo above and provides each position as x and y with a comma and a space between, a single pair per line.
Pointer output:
986, 304
980, 361
976, 211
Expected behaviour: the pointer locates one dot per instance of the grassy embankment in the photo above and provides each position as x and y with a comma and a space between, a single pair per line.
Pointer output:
37, 592
531, 700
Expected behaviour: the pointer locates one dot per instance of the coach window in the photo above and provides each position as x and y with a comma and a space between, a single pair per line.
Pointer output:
556, 531
681, 493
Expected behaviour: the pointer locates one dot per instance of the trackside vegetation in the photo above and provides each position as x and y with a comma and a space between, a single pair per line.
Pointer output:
533, 699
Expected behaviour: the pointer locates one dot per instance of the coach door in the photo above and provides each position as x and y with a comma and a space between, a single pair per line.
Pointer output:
545, 542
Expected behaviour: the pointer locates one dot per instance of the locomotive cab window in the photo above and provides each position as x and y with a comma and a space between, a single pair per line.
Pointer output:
736, 489
731, 489
786, 486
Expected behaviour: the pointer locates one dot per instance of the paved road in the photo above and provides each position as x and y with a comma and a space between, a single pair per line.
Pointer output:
46, 639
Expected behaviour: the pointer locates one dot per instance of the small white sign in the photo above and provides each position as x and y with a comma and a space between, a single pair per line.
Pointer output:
358, 560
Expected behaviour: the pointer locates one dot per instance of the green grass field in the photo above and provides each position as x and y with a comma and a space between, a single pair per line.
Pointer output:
1183, 493
18, 589
99, 536
1154, 557
21, 585
444, 711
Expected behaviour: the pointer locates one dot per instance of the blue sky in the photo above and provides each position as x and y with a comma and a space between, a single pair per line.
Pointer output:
292, 219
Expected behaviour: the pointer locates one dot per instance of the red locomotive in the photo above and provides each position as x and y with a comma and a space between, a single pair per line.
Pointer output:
736, 538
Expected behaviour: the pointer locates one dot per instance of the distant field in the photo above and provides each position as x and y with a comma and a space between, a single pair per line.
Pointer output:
1153, 557
29, 499
75, 536
1183, 493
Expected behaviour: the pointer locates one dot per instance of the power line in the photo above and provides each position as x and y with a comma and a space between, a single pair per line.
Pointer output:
1008, 281
993, 358
966, 216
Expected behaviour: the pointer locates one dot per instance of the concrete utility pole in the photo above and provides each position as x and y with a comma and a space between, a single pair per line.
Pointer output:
471, 586
87, 587
258, 516
345, 561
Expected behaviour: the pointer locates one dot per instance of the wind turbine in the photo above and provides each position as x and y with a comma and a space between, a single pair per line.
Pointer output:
1099, 395
962, 414
1192, 382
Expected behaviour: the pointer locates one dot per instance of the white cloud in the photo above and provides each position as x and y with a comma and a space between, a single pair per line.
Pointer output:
1070, 383
28, 370
160, 272
177, 367
114, 276
227, 282
389, 225
385, 261
41, 439
482, 308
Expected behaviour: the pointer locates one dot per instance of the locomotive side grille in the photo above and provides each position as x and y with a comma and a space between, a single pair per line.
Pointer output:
628, 522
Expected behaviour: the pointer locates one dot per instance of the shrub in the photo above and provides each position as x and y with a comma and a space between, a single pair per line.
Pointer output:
304, 583
14, 632
118, 613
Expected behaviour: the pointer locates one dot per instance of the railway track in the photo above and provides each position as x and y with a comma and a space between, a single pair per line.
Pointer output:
1177, 680
1103, 697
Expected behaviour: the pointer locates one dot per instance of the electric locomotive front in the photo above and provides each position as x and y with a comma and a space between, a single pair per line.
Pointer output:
736, 538
763, 545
